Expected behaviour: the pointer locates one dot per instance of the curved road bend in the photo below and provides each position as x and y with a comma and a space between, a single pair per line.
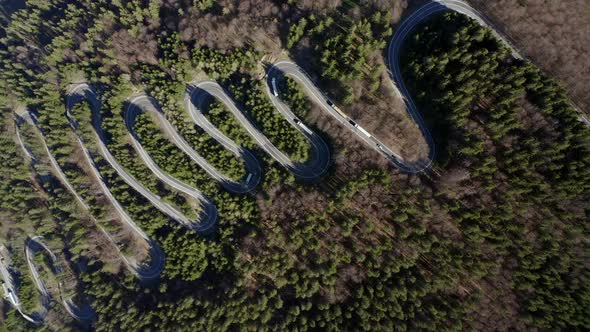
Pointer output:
194, 104
32, 245
9, 290
287, 68
35, 244
30, 119
308, 171
145, 103
402, 31
208, 215
83, 92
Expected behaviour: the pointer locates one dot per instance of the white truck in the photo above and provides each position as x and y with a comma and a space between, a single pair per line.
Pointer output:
10, 295
362, 130
275, 91
335, 108
303, 126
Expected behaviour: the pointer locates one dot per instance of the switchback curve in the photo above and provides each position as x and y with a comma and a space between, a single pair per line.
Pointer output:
408, 24
83, 92
145, 103
35, 243
208, 216
32, 245
287, 68
26, 117
313, 169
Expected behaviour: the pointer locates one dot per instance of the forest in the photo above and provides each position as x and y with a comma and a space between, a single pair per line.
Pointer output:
493, 237
553, 34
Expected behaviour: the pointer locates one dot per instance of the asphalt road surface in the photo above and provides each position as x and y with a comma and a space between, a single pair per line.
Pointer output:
35, 244
84, 92
145, 103
156, 265
26, 117
208, 215
144, 272
32, 245
314, 168
408, 24
194, 100
248, 183
290, 69
9, 288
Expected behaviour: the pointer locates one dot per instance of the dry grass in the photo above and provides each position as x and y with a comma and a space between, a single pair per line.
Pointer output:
389, 121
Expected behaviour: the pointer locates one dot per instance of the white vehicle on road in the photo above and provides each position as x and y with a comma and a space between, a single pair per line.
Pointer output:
9, 294
303, 126
335, 107
11, 297
275, 90
362, 130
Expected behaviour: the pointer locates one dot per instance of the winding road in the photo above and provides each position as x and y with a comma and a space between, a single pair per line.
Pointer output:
208, 215
200, 92
191, 97
34, 244
156, 253
145, 103
402, 31
288, 68
82, 92
196, 97
10, 293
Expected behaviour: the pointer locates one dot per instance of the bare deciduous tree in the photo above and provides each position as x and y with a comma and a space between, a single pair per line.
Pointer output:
554, 34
